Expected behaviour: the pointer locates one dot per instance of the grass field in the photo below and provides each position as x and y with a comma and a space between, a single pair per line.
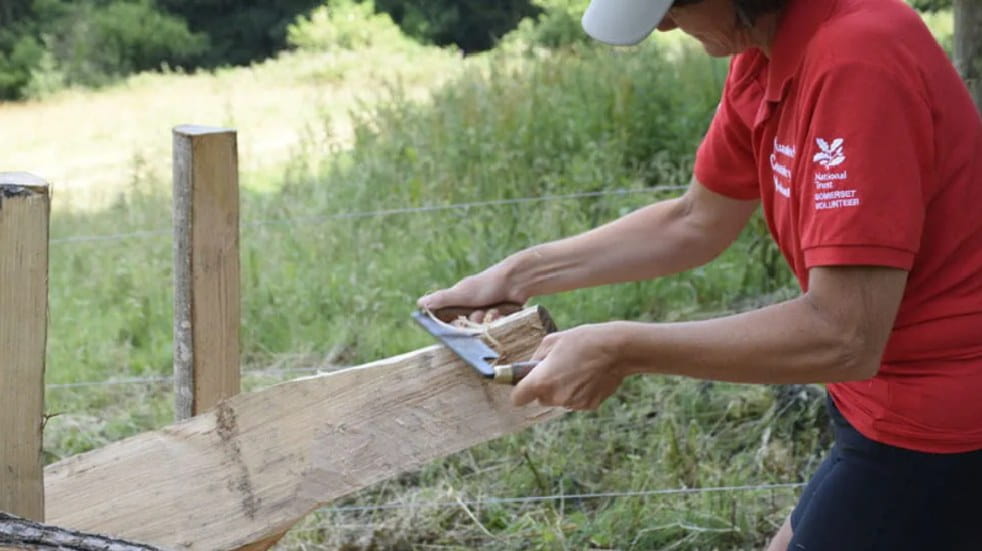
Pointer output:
322, 136
95, 145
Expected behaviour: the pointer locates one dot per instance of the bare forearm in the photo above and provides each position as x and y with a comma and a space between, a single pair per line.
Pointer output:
658, 240
785, 343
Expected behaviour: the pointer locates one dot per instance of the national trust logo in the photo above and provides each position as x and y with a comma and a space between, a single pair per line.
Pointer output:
831, 154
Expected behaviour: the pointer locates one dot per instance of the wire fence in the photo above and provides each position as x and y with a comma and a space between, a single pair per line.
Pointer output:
271, 372
280, 372
380, 213
161, 379
311, 220
518, 500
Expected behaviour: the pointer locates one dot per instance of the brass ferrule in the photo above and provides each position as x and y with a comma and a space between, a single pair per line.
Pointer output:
504, 374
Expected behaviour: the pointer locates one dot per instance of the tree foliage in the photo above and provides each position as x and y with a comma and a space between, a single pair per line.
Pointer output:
49, 43
347, 25
931, 5
240, 31
472, 25
96, 42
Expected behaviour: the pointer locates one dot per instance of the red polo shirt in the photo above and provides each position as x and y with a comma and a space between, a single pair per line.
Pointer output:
864, 147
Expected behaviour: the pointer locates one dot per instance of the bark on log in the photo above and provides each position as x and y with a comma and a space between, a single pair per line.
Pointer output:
260, 462
18, 533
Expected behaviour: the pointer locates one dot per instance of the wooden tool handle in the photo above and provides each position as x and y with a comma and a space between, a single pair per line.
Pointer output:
451, 313
511, 374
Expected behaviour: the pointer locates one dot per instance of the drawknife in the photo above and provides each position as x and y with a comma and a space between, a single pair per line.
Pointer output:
472, 349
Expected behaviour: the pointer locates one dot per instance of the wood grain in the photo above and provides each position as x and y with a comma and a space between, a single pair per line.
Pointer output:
24, 208
206, 268
261, 461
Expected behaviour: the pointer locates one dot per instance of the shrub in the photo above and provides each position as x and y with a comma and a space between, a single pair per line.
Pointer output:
556, 26
94, 43
16, 67
344, 24
46, 78
90, 43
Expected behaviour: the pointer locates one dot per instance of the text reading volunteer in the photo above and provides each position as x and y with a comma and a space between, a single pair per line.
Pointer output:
845, 120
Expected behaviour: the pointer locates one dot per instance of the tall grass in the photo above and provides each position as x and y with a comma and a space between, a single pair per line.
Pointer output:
319, 289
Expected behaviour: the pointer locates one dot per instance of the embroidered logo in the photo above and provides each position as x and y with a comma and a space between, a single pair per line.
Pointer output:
783, 190
831, 154
784, 149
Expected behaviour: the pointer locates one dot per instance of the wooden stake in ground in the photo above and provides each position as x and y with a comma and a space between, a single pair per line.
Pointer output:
261, 461
24, 207
206, 268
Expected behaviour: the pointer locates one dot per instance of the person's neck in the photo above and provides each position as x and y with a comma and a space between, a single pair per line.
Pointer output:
764, 31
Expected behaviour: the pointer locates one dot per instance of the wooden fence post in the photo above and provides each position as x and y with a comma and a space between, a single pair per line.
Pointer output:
206, 268
24, 208
968, 49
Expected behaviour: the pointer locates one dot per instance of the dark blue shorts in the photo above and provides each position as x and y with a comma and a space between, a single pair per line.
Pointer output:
871, 496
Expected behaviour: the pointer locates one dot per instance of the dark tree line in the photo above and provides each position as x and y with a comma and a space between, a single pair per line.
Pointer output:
51, 43
47, 43
239, 31
473, 25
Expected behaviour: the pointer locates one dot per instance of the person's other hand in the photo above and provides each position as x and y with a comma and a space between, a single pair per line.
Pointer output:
578, 369
472, 297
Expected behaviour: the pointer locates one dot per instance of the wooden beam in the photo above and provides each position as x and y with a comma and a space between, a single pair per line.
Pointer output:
261, 461
206, 268
19, 533
24, 208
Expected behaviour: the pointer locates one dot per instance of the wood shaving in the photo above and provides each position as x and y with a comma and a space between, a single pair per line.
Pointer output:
462, 324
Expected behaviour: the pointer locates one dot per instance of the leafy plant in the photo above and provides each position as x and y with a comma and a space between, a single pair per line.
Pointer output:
95, 43
345, 24
557, 25
16, 67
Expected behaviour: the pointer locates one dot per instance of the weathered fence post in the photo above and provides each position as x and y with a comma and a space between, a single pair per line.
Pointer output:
206, 268
24, 208
968, 45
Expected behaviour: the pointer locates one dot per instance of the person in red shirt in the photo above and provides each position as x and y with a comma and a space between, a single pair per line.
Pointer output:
847, 123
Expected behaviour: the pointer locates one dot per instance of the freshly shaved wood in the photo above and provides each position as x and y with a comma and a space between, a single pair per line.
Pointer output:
263, 545
19, 533
261, 461
24, 208
206, 268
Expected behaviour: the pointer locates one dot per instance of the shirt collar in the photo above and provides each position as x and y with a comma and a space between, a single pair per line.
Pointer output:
799, 22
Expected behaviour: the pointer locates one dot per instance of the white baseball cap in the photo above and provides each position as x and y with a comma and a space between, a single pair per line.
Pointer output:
623, 22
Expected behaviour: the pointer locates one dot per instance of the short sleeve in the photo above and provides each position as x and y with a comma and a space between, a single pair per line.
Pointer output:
868, 146
725, 161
